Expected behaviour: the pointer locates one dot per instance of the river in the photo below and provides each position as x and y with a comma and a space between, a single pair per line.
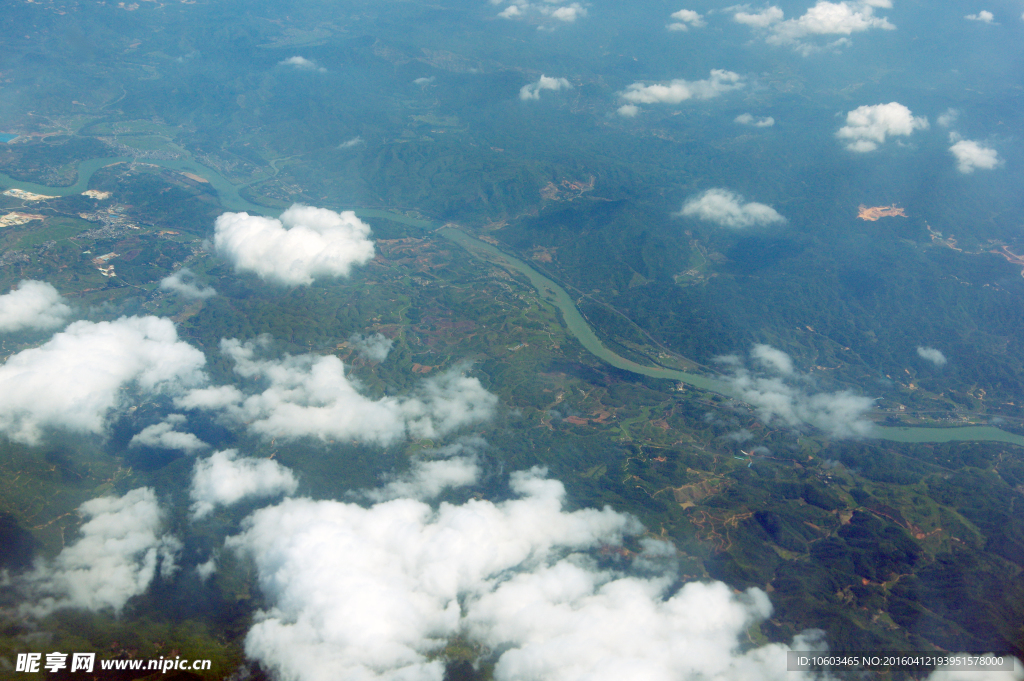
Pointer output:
548, 289
227, 192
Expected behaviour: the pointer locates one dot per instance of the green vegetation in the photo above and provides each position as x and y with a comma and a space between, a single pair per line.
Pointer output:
856, 537
885, 546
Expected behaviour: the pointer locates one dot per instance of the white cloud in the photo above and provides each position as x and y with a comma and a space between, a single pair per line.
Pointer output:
569, 621
77, 377
532, 90
297, 61
832, 18
354, 142
427, 479
210, 399
728, 209
823, 19
763, 19
971, 155
32, 305
948, 117
309, 395
374, 348
628, 110
568, 13
455, 465
758, 122
224, 479
544, 12
983, 16
680, 90
783, 395
305, 243
119, 552
207, 569
934, 356
163, 436
302, 63
773, 358
376, 593
741, 435
686, 19
868, 126
185, 283
424, 81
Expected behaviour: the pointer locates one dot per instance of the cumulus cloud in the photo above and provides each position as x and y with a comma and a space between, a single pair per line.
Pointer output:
434, 471
376, 593
827, 18
374, 348
569, 621
310, 395
971, 155
354, 142
224, 479
302, 63
823, 19
424, 81
983, 16
210, 399
427, 479
205, 570
163, 436
686, 19
547, 13
532, 90
32, 305
120, 550
773, 358
868, 126
934, 356
185, 283
729, 209
781, 394
628, 110
299, 62
74, 380
305, 243
757, 122
763, 19
680, 90
948, 117
567, 13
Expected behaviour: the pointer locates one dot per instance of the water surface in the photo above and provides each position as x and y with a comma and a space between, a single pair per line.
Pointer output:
548, 289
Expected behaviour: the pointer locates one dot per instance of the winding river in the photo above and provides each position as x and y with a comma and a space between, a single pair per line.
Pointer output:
230, 199
578, 326
227, 192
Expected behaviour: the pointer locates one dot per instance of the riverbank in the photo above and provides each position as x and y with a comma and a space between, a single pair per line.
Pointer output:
549, 290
